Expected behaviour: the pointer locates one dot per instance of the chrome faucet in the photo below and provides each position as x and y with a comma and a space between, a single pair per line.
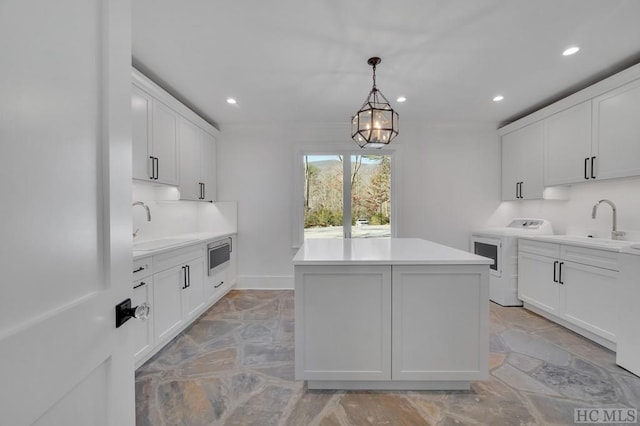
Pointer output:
140, 203
615, 234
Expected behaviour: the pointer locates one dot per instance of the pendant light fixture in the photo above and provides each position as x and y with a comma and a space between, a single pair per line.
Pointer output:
376, 123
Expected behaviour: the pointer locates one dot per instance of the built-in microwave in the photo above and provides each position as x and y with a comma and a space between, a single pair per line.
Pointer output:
218, 254
491, 248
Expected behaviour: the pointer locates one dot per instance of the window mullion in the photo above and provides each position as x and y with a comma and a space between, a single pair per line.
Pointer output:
346, 195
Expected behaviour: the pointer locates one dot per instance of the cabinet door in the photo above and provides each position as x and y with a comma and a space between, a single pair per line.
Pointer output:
511, 160
218, 283
165, 143
167, 302
522, 162
143, 336
193, 295
190, 159
343, 322
588, 298
567, 145
536, 284
208, 166
141, 133
437, 304
616, 130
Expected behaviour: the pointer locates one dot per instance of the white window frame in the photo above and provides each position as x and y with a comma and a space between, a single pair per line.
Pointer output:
346, 151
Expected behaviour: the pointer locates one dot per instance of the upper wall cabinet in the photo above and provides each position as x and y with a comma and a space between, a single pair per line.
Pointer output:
155, 139
616, 132
522, 163
171, 144
197, 163
567, 146
591, 135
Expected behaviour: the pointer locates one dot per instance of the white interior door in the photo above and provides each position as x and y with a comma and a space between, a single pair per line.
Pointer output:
65, 180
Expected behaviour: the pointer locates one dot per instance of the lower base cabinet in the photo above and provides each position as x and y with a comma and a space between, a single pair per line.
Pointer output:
553, 281
218, 283
143, 336
440, 324
420, 327
178, 291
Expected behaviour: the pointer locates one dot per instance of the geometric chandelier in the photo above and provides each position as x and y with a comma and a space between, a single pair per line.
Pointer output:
376, 123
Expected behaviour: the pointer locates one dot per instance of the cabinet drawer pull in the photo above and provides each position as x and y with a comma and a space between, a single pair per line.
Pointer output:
139, 285
555, 265
153, 167
184, 281
216, 286
560, 273
188, 276
140, 269
593, 173
586, 161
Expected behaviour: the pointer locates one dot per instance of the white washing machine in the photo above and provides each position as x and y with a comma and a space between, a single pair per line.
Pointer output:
501, 245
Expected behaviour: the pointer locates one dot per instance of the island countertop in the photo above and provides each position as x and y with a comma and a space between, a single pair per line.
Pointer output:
382, 251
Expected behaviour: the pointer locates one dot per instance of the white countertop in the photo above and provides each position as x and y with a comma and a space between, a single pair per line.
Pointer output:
174, 242
382, 251
580, 241
632, 249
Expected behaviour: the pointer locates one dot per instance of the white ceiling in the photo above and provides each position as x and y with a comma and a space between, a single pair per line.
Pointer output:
305, 61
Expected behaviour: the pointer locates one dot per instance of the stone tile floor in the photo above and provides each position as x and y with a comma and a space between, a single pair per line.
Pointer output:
234, 366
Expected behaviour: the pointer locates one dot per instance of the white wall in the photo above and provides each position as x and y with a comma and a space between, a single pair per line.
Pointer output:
449, 183
574, 215
170, 217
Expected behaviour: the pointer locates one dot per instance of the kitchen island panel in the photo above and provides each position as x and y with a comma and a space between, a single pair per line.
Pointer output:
440, 322
343, 322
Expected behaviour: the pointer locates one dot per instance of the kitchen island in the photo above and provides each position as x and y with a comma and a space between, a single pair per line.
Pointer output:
399, 313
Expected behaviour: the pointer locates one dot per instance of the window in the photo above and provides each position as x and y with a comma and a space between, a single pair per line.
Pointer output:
346, 195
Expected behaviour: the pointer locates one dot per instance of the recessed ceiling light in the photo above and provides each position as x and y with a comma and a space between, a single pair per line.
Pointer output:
570, 51
498, 98
401, 99
231, 101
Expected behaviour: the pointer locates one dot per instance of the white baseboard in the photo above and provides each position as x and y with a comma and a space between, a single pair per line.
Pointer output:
265, 282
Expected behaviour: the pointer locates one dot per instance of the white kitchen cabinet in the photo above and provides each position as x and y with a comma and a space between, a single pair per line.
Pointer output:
167, 302
425, 298
628, 314
537, 284
616, 132
589, 300
209, 167
177, 288
377, 326
143, 335
165, 143
567, 146
522, 159
575, 287
155, 139
218, 283
197, 163
193, 295
345, 333
141, 106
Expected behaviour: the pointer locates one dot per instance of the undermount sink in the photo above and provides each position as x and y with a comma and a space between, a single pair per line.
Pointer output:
161, 243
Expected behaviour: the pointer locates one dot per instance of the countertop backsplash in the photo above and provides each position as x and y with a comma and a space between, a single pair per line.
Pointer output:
171, 216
